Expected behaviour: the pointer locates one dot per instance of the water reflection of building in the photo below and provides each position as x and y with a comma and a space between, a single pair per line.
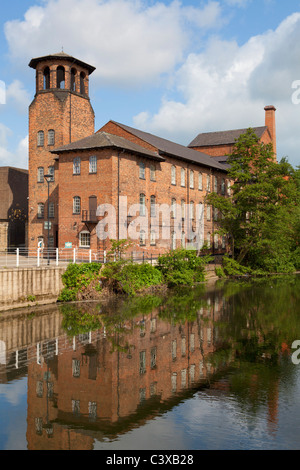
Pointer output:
100, 384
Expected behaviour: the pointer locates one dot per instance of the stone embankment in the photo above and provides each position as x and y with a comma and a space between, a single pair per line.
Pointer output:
29, 286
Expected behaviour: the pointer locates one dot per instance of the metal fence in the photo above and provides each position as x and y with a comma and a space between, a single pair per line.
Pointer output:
22, 257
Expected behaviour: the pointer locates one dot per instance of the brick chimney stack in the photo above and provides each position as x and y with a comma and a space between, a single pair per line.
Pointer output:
271, 124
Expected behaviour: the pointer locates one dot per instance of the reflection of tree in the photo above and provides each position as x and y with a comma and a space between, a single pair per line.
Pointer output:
259, 322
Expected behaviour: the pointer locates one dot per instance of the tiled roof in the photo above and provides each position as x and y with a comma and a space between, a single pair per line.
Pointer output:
223, 137
106, 140
172, 149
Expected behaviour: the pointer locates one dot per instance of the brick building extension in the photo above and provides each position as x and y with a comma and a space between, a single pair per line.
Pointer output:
154, 189
13, 207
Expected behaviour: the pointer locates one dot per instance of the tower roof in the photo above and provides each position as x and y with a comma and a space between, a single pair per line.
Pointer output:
61, 56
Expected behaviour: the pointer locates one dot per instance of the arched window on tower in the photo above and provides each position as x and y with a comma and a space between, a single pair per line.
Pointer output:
73, 79
60, 77
82, 85
46, 84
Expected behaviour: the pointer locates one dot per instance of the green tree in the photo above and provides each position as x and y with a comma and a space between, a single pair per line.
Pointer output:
262, 215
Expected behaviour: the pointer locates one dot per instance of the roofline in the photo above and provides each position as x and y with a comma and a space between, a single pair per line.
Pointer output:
113, 146
34, 62
161, 152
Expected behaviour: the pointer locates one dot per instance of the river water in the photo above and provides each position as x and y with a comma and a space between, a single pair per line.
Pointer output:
203, 368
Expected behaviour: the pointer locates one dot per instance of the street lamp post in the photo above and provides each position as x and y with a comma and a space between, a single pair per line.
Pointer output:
48, 178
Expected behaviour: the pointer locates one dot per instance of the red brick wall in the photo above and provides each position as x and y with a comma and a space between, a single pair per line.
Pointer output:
71, 116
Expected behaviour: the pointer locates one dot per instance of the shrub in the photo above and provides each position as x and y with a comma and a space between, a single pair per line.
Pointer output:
232, 268
182, 267
129, 278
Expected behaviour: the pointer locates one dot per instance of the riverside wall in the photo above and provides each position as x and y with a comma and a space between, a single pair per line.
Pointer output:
20, 287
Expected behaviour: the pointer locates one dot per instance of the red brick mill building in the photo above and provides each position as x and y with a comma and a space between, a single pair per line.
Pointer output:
118, 165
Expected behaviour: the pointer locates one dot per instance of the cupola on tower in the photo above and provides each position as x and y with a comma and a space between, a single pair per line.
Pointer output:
59, 114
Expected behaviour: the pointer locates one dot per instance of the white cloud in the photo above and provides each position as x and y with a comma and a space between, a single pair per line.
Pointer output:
127, 40
227, 86
18, 158
16, 94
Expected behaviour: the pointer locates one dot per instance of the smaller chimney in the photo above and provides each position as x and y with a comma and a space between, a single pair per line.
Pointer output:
271, 124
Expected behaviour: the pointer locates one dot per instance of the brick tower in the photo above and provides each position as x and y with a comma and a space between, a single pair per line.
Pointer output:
59, 114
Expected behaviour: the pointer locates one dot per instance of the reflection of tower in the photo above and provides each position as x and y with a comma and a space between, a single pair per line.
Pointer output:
60, 113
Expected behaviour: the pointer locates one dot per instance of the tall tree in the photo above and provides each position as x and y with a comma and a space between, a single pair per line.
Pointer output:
261, 215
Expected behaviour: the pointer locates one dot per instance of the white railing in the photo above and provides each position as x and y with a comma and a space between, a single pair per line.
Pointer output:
23, 257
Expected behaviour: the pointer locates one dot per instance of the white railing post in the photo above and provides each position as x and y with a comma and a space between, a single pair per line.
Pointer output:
90, 256
38, 257
18, 257
56, 256
104, 256
74, 255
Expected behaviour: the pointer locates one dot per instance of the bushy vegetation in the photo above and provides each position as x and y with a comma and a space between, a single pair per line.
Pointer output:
177, 268
78, 277
130, 278
182, 267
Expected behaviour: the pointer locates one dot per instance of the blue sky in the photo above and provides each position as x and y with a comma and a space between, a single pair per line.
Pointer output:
171, 68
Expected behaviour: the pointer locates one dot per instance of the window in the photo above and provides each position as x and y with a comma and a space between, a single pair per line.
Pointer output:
208, 213
73, 79
40, 174
224, 242
228, 188
208, 240
46, 84
174, 349
173, 241
152, 173
51, 172
152, 206
208, 183
84, 239
173, 174
41, 208
183, 239
60, 77
223, 186
76, 407
40, 138
183, 378
183, 346
192, 210
182, 209
153, 358
76, 205
142, 170
182, 177
216, 213
142, 204
51, 210
174, 382
92, 410
93, 164
215, 184
82, 84
142, 238
173, 208
76, 166
142, 362
216, 241
51, 137
191, 179
152, 238
200, 181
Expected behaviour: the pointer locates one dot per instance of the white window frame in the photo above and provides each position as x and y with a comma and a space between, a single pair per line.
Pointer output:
76, 205
76, 166
93, 164
84, 239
